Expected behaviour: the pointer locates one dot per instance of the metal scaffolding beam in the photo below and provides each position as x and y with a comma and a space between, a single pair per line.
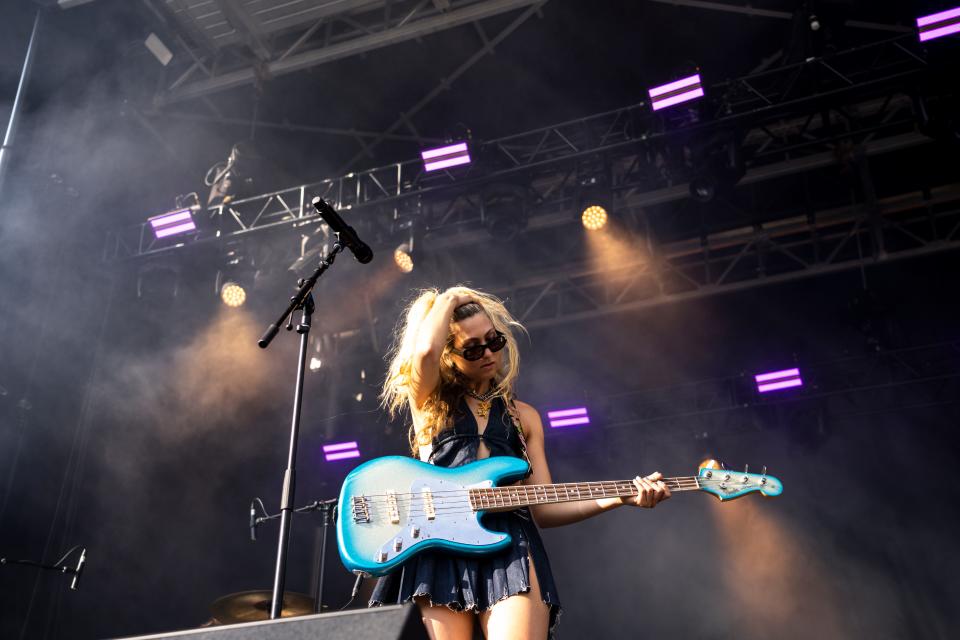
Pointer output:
367, 31
635, 141
770, 253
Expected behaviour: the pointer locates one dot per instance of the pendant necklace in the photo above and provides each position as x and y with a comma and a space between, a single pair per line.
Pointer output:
485, 401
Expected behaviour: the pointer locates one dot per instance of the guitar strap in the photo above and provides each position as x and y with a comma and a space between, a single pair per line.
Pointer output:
515, 418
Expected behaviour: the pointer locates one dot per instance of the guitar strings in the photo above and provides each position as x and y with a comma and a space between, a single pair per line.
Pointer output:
454, 505
545, 489
669, 481
534, 491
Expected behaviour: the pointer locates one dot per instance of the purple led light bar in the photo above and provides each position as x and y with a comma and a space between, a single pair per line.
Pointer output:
449, 156
676, 92
172, 223
340, 451
939, 24
778, 380
568, 417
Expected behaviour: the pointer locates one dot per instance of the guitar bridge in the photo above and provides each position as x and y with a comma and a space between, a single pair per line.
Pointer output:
360, 508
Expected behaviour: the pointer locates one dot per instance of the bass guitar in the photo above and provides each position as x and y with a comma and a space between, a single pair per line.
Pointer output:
392, 508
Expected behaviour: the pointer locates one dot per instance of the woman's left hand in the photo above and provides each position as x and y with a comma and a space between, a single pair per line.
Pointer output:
650, 491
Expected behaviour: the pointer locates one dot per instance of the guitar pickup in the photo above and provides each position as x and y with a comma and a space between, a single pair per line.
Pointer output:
428, 507
393, 507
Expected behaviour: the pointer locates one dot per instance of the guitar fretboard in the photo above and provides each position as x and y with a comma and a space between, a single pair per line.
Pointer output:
524, 495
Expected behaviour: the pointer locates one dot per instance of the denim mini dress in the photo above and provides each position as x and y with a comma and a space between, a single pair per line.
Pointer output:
476, 583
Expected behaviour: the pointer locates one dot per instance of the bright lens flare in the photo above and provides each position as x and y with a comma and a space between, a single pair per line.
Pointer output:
402, 259
594, 218
233, 295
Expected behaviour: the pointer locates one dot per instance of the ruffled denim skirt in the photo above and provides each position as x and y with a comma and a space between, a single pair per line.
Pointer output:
476, 583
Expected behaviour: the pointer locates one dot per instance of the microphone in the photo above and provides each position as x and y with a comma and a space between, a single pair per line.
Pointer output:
79, 570
253, 521
348, 236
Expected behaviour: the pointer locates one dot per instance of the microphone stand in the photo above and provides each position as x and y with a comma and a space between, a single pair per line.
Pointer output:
303, 300
76, 572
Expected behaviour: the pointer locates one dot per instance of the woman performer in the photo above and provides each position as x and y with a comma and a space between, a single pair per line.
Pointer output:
454, 364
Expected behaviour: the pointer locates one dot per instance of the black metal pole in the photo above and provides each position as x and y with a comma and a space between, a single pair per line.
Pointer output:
289, 477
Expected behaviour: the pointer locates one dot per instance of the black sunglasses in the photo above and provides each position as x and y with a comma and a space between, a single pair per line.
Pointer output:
475, 352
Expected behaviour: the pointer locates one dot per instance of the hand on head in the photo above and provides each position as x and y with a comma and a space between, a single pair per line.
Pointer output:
460, 295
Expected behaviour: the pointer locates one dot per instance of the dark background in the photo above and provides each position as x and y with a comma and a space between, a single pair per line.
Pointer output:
141, 425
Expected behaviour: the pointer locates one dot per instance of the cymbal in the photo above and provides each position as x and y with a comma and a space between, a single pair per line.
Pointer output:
249, 606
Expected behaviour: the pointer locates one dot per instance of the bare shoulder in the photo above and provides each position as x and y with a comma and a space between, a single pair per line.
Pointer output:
530, 417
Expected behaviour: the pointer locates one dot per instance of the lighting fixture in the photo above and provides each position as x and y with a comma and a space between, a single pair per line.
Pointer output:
775, 380
172, 223
594, 217
445, 157
938, 25
675, 92
340, 451
568, 417
233, 294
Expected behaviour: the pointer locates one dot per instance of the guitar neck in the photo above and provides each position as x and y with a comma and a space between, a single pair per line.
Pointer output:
523, 495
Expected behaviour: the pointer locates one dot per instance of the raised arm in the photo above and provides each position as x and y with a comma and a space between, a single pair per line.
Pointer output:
431, 338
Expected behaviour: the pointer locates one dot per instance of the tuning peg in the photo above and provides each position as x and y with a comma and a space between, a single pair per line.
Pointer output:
764, 472
746, 468
723, 466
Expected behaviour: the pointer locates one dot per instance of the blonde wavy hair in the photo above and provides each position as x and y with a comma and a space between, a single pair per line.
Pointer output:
436, 410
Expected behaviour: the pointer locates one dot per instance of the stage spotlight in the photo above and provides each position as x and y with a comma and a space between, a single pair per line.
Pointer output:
232, 179
233, 294
403, 257
938, 25
594, 217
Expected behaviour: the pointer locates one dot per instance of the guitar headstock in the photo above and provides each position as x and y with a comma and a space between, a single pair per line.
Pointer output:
727, 484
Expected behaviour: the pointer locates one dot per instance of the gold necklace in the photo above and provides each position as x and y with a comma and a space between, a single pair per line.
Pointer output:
485, 401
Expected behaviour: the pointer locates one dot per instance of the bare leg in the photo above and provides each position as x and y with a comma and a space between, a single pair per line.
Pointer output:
443, 623
524, 616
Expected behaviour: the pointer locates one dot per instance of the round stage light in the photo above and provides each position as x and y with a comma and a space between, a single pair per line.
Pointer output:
232, 294
403, 259
594, 217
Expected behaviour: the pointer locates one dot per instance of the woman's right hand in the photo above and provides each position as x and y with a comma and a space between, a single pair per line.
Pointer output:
460, 296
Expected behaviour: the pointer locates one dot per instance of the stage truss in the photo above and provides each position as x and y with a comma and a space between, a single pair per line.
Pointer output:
791, 120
